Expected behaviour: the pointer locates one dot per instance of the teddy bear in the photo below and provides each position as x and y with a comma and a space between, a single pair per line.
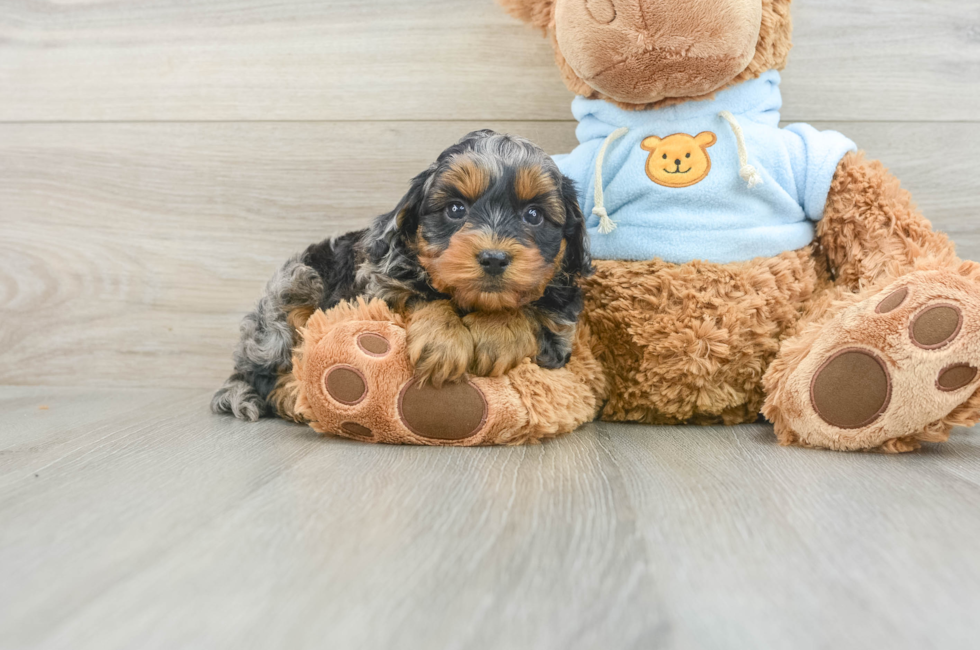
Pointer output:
741, 268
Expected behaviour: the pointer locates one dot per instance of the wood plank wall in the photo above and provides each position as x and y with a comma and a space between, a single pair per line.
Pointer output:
158, 158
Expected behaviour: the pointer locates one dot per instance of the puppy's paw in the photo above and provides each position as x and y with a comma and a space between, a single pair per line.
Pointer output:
501, 341
283, 398
555, 346
439, 345
237, 397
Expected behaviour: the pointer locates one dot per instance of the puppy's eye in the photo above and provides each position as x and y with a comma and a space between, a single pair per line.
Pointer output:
665, 156
688, 156
533, 215
456, 210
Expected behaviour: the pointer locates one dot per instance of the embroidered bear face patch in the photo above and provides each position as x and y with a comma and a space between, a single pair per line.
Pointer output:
679, 160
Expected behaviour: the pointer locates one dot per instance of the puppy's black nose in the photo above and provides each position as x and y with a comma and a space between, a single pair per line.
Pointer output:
677, 162
493, 262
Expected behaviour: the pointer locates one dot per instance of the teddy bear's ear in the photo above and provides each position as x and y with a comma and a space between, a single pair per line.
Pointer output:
705, 139
537, 13
650, 143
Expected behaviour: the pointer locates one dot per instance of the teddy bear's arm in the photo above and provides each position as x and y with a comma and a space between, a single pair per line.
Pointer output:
871, 230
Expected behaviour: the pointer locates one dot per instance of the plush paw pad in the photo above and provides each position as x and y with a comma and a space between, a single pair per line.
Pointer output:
452, 412
345, 384
890, 367
935, 326
833, 394
357, 382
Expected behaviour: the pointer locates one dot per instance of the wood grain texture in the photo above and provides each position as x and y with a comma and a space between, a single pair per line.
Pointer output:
432, 60
129, 253
163, 526
158, 160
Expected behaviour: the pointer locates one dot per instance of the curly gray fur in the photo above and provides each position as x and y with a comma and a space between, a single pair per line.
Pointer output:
265, 345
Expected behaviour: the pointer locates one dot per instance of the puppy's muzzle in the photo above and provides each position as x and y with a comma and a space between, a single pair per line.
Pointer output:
494, 262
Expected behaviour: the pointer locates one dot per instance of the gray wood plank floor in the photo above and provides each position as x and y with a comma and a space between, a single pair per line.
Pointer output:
431, 60
135, 519
159, 159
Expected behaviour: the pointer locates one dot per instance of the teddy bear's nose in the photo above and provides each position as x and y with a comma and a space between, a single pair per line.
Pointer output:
677, 162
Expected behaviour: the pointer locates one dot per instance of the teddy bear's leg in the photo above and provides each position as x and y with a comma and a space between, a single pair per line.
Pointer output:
872, 232
897, 367
889, 356
353, 378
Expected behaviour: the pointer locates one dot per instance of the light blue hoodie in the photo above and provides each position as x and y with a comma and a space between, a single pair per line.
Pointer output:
720, 209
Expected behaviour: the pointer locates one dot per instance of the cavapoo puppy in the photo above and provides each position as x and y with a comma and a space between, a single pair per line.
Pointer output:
483, 254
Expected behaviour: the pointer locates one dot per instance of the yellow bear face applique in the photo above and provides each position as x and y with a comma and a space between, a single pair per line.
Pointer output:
678, 160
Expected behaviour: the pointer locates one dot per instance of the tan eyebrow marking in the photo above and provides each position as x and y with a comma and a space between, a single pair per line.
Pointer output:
470, 180
531, 182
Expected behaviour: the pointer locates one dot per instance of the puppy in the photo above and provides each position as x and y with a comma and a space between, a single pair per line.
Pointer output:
483, 253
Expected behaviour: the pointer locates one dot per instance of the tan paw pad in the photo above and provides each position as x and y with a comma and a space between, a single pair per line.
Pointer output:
357, 382
891, 366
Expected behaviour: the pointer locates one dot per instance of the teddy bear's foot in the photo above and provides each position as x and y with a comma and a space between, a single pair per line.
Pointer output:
354, 379
899, 367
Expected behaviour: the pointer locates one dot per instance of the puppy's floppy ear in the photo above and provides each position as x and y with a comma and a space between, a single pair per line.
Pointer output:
402, 223
537, 13
577, 259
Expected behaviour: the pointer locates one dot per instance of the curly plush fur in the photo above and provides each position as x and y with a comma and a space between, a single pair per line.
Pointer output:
700, 335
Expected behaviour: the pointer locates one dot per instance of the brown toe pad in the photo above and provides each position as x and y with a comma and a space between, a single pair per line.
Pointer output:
893, 301
355, 429
373, 344
936, 326
851, 389
955, 377
451, 412
345, 384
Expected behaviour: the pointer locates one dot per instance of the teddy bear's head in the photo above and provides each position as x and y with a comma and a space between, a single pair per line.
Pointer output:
650, 53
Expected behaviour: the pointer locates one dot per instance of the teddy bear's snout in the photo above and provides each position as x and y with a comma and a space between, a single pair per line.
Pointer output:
640, 51
602, 11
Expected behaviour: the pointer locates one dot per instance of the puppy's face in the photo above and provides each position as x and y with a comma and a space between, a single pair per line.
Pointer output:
496, 223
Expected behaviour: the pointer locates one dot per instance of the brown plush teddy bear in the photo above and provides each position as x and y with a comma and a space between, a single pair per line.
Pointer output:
741, 267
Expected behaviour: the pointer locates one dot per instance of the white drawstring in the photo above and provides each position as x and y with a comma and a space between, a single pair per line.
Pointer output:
606, 224
748, 173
